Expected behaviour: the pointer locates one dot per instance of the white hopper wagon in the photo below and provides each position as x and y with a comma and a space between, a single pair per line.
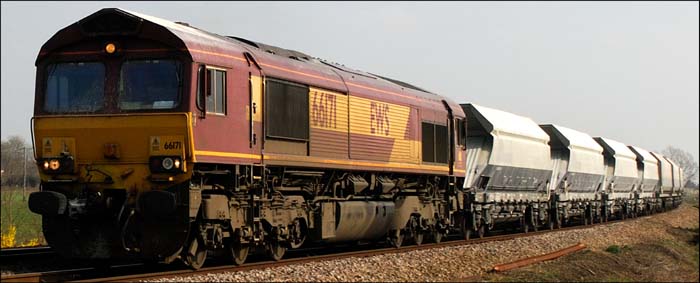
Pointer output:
508, 167
648, 171
578, 173
621, 177
665, 176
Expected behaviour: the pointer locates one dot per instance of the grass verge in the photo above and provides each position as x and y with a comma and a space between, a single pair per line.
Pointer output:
664, 260
19, 227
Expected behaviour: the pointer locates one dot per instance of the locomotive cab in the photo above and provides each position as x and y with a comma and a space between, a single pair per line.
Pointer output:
112, 137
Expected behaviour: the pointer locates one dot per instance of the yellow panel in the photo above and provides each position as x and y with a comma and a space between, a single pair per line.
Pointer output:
328, 121
257, 85
131, 132
328, 110
384, 126
167, 145
54, 146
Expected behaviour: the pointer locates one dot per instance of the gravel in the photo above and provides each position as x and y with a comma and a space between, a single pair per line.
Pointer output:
460, 262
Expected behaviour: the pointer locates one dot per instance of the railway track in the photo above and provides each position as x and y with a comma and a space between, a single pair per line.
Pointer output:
14, 254
135, 272
28, 251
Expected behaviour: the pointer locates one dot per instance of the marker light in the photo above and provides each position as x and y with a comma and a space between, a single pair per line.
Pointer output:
167, 163
54, 164
177, 163
46, 165
110, 48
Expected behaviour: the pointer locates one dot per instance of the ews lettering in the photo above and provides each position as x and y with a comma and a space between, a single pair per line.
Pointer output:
379, 118
323, 110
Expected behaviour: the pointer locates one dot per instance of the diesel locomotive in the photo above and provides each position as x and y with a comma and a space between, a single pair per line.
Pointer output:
161, 141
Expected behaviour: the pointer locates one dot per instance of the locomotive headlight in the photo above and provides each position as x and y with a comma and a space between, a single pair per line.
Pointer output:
177, 163
110, 48
167, 163
54, 164
46, 165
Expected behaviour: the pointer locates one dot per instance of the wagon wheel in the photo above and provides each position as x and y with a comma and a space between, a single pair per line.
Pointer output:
418, 237
558, 223
467, 234
395, 238
481, 231
524, 225
239, 252
196, 260
465, 230
437, 236
275, 249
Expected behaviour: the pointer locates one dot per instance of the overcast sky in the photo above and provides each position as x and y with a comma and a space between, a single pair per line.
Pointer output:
626, 71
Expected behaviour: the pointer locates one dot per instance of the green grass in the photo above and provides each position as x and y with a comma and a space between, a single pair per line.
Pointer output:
15, 213
615, 249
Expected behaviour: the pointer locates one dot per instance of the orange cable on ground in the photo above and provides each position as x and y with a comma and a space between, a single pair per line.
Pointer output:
536, 259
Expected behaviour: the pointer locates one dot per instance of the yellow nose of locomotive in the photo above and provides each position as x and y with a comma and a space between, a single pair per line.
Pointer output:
135, 152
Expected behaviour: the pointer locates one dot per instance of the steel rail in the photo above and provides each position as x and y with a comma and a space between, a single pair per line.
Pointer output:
24, 250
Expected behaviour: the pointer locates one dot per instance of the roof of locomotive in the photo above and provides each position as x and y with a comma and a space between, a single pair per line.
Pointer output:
274, 61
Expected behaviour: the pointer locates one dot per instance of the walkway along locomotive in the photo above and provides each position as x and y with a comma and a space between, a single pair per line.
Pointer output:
161, 141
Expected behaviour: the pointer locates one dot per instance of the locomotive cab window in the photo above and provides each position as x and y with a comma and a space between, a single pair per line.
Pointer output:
74, 87
434, 142
149, 84
286, 110
215, 88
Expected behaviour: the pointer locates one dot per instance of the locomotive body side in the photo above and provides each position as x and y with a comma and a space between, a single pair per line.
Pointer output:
252, 148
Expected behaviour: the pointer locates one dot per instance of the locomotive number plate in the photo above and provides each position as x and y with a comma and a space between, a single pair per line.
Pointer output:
167, 145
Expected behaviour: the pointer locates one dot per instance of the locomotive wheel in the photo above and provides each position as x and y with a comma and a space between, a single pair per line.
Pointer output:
196, 260
396, 238
415, 230
239, 252
275, 250
299, 234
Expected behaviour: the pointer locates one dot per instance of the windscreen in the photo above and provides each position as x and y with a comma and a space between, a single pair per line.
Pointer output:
74, 87
149, 84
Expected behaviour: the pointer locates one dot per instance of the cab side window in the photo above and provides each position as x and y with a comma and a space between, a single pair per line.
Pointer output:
215, 88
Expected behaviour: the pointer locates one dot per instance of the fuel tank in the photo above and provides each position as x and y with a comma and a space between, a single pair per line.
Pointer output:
360, 220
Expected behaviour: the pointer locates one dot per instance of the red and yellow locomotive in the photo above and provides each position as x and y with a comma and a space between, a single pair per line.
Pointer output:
159, 140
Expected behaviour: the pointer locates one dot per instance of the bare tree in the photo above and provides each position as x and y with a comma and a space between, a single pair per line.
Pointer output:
17, 163
685, 160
